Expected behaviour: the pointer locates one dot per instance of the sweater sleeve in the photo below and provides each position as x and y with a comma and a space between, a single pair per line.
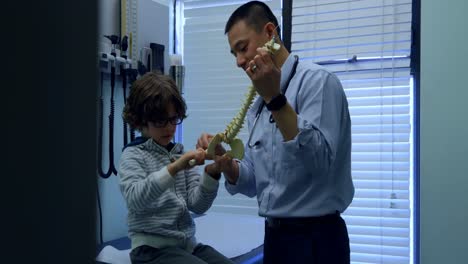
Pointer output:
138, 188
202, 190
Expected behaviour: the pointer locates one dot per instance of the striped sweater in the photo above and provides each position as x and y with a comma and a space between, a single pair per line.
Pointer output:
158, 203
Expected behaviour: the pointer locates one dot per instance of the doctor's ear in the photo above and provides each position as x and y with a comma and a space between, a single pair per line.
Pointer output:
270, 29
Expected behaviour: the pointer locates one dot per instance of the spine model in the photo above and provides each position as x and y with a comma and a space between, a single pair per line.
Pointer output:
230, 133
237, 122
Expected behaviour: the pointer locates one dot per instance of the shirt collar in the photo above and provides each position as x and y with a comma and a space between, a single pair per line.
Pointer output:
150, 144
286, 71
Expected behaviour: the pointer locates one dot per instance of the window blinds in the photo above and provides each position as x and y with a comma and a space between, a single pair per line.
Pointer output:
377, 34
375, 37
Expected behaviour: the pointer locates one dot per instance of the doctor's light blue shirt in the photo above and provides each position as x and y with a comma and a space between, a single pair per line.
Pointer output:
309, 175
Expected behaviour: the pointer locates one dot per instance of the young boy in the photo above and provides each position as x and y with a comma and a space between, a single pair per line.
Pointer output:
157, 182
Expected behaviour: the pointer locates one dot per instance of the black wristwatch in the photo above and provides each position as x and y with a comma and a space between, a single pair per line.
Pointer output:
277, 103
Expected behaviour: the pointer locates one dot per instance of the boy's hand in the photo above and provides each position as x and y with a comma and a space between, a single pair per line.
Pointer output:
182, 163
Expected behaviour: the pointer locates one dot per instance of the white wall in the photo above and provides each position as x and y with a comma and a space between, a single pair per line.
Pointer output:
444, 131
108, 22
153, 26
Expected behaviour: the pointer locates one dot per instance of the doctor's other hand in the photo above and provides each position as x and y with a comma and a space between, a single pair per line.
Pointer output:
266, 76
224, 164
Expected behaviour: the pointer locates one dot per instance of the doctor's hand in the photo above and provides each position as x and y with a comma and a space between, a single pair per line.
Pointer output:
226, 165
203, 142
265, 75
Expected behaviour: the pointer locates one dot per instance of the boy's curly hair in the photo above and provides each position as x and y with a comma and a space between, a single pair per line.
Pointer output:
149, 98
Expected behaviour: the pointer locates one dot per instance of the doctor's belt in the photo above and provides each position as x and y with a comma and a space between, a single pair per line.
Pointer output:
298, 222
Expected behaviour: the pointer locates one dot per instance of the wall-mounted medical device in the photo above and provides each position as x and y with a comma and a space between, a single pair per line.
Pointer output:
146, 23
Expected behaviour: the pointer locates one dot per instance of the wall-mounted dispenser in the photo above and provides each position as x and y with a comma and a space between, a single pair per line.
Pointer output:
177, 71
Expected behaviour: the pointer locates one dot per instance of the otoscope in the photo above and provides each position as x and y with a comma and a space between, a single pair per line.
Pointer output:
123, 72
114, 41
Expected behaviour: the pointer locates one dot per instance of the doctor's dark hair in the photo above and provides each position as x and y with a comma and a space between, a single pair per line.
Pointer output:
255, 14
149, 98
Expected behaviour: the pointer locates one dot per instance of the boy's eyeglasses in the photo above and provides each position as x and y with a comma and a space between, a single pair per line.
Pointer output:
175, 120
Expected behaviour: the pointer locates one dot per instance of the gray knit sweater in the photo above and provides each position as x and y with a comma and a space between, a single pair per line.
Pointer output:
158, 203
